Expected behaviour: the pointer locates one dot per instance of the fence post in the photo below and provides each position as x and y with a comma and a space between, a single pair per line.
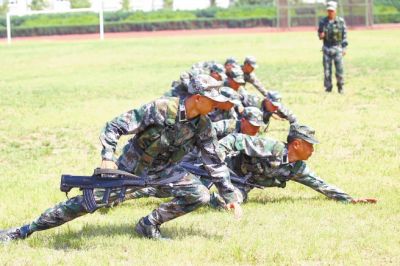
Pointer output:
8, 27
277, 14
101, 20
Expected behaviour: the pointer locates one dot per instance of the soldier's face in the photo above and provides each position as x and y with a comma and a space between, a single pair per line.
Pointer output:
247, 128
205, 105
215, 75
304, 150
269, 106
233, 84
331, 14
247, 68
228, 67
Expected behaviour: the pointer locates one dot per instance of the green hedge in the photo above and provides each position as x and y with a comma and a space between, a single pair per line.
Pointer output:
139, 16
146, 26
238, 16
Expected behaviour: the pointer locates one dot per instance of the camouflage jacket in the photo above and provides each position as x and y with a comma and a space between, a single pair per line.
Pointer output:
335, 32
253, 80
218, 115
162, 139
282, 112
265, 162
225, 127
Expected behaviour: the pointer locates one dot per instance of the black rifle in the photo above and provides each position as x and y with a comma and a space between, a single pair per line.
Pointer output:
197, 169
108, 179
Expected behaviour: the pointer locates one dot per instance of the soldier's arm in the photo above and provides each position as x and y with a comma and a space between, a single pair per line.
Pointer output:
224, 127
253, 80
285, 113
307, 178
321, 29
131, 122
214, 164
344, 34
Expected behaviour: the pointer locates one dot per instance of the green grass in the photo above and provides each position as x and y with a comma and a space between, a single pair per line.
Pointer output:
56, 96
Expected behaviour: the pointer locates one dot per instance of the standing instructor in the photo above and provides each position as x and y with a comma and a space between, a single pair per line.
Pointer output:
332, 30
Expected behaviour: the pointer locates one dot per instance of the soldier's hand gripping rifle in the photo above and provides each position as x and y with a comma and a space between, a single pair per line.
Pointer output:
104, 178
198, 170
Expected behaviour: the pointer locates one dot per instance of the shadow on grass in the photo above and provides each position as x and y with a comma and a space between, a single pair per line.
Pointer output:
283, 199
72, 240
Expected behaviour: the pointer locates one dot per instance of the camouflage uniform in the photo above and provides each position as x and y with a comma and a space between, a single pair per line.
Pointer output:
238, 76
252, 78
275, 98
335, 42
264, 162
163, 136
180, 88
222, 128
233, 113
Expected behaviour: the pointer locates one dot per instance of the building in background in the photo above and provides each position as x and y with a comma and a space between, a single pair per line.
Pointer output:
146, 5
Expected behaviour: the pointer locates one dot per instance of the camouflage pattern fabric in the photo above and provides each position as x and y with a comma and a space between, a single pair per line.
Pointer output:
153, 151
187, 191
222, 128
253, 80
218, 115
283, 112
264, 161
334, 54
225, 127
335, 42
161, 140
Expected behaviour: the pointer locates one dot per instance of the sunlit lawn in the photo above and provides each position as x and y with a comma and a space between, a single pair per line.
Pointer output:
55, 97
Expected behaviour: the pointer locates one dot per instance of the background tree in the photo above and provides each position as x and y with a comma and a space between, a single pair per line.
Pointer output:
38, 4
126, 5
4, 7
80, 3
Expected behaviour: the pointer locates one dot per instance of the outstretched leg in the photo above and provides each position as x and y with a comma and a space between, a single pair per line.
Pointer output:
55, 216
189, 194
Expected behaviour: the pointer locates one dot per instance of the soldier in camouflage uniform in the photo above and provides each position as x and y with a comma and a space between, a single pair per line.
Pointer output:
235, 80
332, 30
248, 67
249, 124
180, 88
270, 163
225, 111
273, 107
165, 130
270, 105
230, 63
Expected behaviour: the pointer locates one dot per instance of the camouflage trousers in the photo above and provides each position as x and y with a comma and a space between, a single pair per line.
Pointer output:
334, 54
187, 191
216, 201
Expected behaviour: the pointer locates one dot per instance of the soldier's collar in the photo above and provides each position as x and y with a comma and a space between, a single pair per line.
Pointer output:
285, 156
182, 115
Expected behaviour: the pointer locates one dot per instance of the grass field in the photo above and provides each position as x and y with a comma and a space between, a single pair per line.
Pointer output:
55, 97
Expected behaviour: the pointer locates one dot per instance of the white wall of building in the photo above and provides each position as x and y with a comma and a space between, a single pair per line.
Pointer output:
147, 5
60, 5
190, 4
108, 5
223, 3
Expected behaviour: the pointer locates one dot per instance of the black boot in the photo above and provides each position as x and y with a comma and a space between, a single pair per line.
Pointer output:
9, 235
149, 230
341, 89
328, 89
